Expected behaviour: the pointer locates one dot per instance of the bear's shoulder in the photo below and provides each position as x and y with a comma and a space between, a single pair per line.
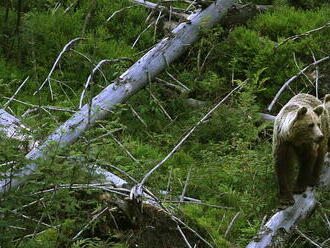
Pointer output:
305, 100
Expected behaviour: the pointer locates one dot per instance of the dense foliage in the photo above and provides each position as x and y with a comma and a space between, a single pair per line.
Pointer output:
228, 156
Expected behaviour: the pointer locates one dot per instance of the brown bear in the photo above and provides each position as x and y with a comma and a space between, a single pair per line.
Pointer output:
301, 133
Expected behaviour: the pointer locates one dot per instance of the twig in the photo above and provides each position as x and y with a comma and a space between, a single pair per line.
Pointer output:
286, 84
192, 230
17, 227
181, 84
89, 60
56, 7
231, 224
121, 171
201, 203
36, 234
166, 10
16, 92
118, 11
160, 105
297, 36
324, 242
307, 238
183, 236
123, 147
185, 185
97, 68
30, 218
316, 77
137, 115
29, 111
90, 222
42, 107
296, 63
190, 5
206, 57
174, 86
120, 144
157, 20
99, 186
70, 6
138, 38
65, 49
168, 183
189, 133
29, 204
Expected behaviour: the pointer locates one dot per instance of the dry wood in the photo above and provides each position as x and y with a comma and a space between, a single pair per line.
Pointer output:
134, 79
286, 84
166, 10
276, 231
48, 78
297, 36
137, 190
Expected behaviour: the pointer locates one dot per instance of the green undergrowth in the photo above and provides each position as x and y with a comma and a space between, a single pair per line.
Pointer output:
228, 155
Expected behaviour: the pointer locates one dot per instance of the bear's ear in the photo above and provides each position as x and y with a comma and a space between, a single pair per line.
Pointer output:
301, 112
318, 110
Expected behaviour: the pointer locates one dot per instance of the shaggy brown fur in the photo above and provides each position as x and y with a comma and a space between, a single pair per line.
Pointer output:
301, 133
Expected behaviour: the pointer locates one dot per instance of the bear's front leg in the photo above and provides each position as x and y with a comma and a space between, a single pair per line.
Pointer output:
314, 181
283, 155
307, 155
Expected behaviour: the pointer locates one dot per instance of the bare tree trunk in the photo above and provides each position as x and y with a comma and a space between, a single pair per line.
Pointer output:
276, 231
135, 78
12, 128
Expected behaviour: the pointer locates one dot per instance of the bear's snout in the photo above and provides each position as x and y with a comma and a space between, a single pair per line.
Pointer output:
319, 139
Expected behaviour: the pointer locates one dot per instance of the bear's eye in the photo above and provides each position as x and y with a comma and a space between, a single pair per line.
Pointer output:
319, 124
311, 125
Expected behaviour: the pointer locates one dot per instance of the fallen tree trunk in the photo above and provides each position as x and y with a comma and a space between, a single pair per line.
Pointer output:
164, 224
276, 231
12, 128
135, 78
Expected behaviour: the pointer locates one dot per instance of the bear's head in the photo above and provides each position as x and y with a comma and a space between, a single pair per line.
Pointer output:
306, 126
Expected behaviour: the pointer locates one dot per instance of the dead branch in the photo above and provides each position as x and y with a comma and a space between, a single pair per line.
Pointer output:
297, 36
167, 10
231, 224
276, 231
267, 117
139, 36
178, 82
16, 92
135, 78
116, 185
137, 190
286, 84
11, 127
95, 69
170, 85
184, 190
42, 107
160, 105
65, 49
90, 222
317, 76
307, 238
118, 11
